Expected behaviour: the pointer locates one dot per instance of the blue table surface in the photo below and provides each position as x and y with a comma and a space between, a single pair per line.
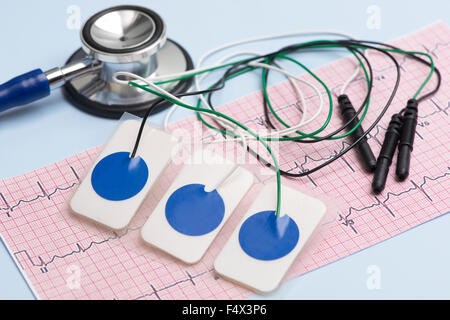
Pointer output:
34, 34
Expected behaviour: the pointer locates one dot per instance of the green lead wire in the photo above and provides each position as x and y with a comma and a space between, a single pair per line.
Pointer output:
312, 135
237, 123
302, 135
266, 94
432, 68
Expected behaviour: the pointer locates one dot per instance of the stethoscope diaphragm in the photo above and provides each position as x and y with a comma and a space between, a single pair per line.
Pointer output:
121, 38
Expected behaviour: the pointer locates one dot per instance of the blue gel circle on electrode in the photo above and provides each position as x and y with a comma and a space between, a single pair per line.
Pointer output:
119, 177
192, 211
264, 236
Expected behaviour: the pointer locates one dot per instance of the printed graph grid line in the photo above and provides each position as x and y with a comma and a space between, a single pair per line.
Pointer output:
66, 257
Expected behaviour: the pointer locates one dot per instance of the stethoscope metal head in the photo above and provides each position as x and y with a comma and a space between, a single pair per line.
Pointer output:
124, 38
121, 38
123, 34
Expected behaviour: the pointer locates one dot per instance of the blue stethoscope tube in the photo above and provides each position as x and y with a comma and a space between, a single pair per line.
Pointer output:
36, 84
23, 89
144, 35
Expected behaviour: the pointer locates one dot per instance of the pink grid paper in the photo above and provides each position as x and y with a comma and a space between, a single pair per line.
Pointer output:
49, 242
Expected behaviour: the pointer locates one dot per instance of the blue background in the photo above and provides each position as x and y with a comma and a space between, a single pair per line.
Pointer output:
34, 34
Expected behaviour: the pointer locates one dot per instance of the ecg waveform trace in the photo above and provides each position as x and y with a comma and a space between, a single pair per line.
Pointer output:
49, 242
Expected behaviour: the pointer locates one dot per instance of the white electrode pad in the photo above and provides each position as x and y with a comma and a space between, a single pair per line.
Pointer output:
263, 246
116, 185
188, 217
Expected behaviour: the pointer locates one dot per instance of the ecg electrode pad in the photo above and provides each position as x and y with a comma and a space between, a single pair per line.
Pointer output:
263, 246
116, 185
190, 215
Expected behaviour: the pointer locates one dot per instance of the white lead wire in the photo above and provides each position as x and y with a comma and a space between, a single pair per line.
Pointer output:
198, 68
257, 39
197, 79
229, 125
232, 170
279, 69
293, 128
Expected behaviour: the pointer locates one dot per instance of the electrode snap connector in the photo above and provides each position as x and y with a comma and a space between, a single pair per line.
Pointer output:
387, 153
405, 146
348, 112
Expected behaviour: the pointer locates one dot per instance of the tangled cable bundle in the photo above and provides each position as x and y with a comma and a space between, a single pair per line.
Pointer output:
234, 131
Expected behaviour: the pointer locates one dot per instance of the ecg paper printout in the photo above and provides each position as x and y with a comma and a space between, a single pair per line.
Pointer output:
65, 257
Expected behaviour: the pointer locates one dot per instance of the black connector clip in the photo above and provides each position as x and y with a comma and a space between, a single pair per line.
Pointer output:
348, 112
405, 145
387, 153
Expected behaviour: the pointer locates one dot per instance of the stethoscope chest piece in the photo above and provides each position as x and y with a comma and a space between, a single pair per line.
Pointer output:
124, 38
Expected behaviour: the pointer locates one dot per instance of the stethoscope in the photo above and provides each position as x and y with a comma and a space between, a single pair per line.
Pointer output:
121, 38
